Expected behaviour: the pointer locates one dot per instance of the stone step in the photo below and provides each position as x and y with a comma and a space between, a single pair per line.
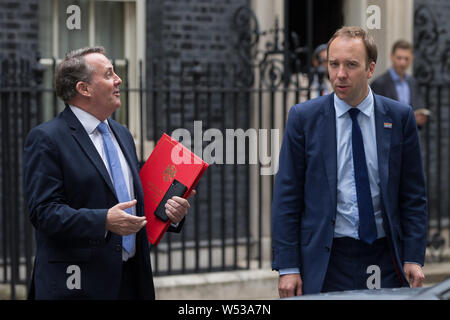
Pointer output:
247, 284
436, 272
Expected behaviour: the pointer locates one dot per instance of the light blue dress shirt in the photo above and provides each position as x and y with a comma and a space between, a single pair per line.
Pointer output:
401, 86
347, 216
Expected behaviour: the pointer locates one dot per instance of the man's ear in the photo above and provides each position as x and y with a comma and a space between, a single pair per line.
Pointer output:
83, 89
371, 69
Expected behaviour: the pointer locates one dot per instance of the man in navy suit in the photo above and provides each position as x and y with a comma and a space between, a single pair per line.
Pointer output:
398, 85
75, 174
349, 208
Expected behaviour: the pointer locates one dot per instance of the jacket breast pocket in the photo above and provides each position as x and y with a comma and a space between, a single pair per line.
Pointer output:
70, 255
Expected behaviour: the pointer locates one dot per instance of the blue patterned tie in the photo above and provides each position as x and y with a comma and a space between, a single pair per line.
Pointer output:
367, 227
118, 177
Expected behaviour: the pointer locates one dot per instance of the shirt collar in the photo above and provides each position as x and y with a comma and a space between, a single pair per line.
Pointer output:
366, 106
89, 122
395, 76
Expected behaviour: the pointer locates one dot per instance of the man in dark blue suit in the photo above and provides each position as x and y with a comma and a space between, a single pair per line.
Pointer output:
84, 194
396, 84
349, 208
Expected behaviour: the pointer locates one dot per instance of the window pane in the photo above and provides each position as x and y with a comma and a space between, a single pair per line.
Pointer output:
72, 39
109, 27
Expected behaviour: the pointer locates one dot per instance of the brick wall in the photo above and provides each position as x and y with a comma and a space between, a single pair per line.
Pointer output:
19, 25
191, 29
182, 33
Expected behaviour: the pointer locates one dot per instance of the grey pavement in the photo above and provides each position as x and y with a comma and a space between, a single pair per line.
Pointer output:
251, 284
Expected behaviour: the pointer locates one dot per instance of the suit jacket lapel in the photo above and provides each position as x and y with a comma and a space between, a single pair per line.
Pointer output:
383, 134
87, 146
327, 129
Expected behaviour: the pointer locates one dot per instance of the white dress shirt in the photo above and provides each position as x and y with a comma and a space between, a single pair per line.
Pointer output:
90, 124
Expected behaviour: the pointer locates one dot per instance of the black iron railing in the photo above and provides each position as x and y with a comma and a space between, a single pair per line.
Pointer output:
435, 138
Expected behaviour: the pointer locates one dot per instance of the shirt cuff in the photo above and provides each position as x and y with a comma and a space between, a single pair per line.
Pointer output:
288, 271
413, 263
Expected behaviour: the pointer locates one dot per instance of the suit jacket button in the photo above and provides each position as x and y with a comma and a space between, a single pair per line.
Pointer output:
118, 247
333, 222
327, 249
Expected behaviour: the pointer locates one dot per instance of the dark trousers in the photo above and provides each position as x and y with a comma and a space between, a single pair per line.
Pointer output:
349, 262
129, 280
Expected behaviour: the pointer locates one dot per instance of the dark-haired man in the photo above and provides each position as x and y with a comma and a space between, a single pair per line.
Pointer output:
84, 194
398, 85
349, 207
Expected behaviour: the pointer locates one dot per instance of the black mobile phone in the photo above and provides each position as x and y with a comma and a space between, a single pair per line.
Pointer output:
175, 189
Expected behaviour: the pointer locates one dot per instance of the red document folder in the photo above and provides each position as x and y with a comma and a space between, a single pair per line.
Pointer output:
169, 160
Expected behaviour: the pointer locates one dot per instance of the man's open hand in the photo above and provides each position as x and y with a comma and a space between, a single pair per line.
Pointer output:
122, 223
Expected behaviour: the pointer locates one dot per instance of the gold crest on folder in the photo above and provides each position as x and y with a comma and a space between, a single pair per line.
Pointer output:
169, 172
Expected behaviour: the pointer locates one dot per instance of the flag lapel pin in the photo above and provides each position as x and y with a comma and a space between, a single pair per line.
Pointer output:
388, 125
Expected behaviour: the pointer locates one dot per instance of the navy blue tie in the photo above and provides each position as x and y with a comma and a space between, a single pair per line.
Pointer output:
118, 178
367, 227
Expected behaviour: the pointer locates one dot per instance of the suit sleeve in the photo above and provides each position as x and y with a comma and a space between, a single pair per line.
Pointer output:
287, 205
412, 195
44, 190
